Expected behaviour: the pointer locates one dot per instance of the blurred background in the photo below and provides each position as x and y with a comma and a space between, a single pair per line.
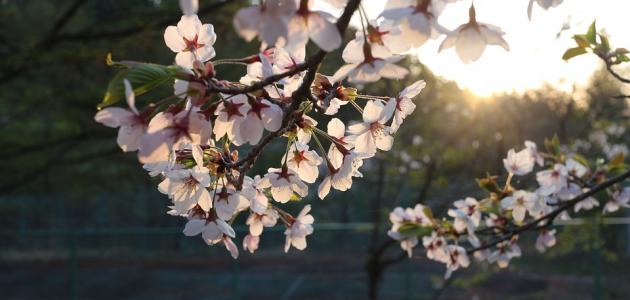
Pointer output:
82, 220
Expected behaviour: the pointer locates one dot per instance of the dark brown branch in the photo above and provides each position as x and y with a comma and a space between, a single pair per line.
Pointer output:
61, 22
549, 218
614, 73
311, 66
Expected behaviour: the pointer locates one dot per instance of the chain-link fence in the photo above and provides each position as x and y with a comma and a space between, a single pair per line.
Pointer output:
156, 263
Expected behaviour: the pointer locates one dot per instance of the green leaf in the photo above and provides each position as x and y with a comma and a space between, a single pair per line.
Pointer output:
591, 34
616, 161
414, 230
142, 76
605, 44
573, 52
489, 184
581, 159
581, 41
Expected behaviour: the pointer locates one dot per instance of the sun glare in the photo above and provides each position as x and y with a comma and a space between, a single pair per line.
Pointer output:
536, 47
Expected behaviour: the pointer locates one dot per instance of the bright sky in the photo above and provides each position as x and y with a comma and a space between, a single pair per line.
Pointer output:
535, 51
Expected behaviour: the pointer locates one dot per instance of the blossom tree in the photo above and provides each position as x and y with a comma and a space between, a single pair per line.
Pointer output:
204, 139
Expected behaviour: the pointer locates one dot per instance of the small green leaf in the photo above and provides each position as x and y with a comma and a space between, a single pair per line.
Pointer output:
581, 41
573, 52
489, 184
616, 161
414, 230
142, 76
605, 44
591, 34
581, 159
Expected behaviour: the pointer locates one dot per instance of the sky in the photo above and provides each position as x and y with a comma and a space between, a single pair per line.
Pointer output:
535, 56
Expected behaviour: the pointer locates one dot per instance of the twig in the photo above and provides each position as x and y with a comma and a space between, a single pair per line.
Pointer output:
549, 218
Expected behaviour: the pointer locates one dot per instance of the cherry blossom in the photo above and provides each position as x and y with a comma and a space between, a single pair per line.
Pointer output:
504, 253
340, 177
416, 20
575, 168
187, 188
191, 40
471, 39
230, 114
586, 204
254, 193
168, 131
131, 123
436, 247
467, 214
618, 199
520, 202
250, 243
298, 229
403, 104
269, 21
212, 230
365, 66
303, 161
372, 133
399, 218
316, 25
257, 221
533, 149
457, 258
552, 181
546, 239
228, 201
519, 163
544, 4
283, 183
262, 114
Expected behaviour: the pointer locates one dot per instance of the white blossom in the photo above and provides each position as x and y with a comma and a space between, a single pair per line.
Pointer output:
575, 168
519, 163
268, 21
472, 38
436, 247
618, 199
416, 23
467, 214
299, 228
257, 221
191, 40
250, 243
546, 239
403, 105
552, 181
212, 230
372, 133
316, 25
230, 115
457, 258
303, 161
520, 202
544, 4
283, 182
131, 123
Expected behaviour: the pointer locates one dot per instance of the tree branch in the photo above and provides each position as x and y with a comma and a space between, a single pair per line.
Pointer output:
549, 218
311, 66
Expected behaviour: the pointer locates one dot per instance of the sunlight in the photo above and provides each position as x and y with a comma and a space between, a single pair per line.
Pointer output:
536, 47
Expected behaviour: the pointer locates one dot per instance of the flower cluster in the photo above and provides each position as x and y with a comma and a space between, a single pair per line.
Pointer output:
194, 140
491, 225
